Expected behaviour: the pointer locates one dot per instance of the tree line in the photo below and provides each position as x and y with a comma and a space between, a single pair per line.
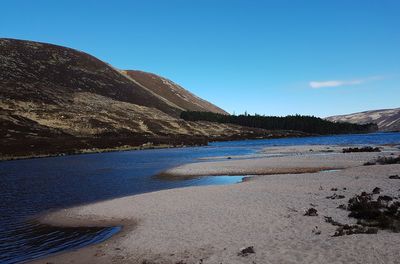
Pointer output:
308, 124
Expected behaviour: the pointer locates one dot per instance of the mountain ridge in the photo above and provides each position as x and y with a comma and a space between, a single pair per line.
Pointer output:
386, 119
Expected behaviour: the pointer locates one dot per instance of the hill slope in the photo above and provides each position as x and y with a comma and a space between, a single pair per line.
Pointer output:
173, 92
386, 119
55, 100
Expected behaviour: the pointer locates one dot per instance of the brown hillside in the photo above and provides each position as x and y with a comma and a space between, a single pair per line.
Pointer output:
173, 92
59, 100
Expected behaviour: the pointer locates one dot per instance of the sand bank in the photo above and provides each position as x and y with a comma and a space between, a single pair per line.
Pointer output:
211, 224
277, 160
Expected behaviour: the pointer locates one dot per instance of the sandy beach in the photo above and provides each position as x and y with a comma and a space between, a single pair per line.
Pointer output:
213, 224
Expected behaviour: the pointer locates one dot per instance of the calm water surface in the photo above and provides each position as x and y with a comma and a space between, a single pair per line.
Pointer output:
31, 187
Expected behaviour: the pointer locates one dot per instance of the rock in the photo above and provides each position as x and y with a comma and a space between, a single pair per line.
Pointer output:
330, 220
246, 251
316, 231
335, 196
363, 149
311, 212
354, 229
334, 189
385, 198
376, 190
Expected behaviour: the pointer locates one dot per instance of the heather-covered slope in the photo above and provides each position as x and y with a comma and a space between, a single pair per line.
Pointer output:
386, 119
173, 92
50, 74
56, 100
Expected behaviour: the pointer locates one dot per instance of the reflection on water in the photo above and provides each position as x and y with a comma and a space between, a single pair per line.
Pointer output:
29, 187
39, 240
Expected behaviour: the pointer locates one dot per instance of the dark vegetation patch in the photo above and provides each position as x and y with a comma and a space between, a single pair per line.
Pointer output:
384, 161
382, 212
372, 213
345, 229
354, 229
362, 149
308, 124
75, 145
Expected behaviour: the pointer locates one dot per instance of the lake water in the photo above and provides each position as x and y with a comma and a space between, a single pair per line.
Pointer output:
31, 187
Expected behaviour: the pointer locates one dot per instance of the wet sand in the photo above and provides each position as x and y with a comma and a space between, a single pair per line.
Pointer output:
211, 224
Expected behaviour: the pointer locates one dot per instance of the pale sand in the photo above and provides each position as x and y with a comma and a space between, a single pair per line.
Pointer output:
282, 160
212, 223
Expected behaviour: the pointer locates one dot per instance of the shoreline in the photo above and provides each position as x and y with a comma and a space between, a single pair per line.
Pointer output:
209, 224
93, 151
292, 171
85, 254
151, 145
165, 146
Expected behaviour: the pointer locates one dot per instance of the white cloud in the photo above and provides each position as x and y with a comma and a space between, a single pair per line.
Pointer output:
336, 83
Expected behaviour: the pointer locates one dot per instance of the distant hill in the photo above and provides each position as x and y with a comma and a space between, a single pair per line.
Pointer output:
386, 119
55, 99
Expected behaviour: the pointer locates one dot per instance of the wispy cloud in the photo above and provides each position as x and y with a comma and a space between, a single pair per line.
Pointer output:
337, 83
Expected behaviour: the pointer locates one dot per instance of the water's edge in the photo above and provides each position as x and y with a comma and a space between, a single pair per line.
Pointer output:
32, 187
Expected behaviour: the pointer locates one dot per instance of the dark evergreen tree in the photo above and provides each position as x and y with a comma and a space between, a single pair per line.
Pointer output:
308, 124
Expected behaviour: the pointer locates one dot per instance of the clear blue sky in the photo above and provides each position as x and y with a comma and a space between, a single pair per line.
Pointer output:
269, 57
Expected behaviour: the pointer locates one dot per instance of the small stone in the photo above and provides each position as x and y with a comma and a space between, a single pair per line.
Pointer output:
316, 231
335, 196
376, 190
311, 212
246, 251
